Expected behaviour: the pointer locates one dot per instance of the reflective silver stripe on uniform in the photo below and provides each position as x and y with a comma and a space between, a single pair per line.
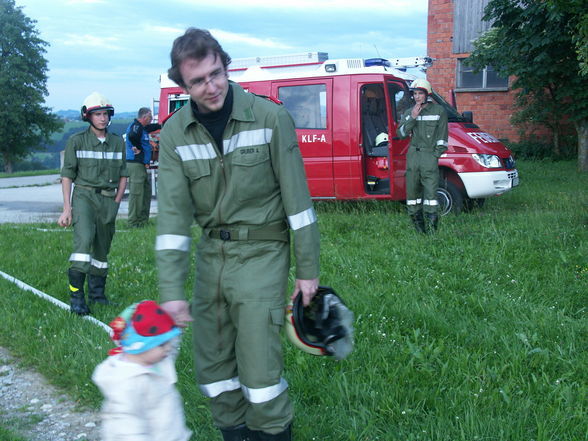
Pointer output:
413, 201
97, 264
247, 138
442, 142
402, 131
87, 154
196, 151
212, 390
302, 219
172, 242
428, 118
431, 202
79, 257
264, 394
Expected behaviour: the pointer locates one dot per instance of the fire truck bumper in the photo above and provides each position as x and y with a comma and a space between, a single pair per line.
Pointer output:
490, 183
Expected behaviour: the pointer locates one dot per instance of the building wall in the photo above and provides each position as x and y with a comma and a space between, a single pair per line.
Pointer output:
492, 110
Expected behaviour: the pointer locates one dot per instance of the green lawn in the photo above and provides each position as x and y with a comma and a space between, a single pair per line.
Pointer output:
477, 333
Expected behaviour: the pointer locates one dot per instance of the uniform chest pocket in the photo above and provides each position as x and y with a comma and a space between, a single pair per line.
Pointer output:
253, 176
201, 185
430, 127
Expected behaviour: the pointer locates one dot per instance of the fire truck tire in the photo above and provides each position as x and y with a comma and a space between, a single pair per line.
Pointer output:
450, 198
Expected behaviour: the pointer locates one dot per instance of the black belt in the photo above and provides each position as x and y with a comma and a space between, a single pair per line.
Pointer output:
277, 231
103, 191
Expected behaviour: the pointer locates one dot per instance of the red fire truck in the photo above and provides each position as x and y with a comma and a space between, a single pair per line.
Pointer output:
346, 112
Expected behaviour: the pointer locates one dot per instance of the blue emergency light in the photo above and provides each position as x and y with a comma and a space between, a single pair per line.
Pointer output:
376, 62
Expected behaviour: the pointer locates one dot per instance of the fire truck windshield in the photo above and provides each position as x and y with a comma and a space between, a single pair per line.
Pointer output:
452, 114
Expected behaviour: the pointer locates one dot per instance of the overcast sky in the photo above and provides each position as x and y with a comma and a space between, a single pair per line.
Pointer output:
119, 47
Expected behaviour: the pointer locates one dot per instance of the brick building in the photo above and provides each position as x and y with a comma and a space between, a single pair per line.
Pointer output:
452, 26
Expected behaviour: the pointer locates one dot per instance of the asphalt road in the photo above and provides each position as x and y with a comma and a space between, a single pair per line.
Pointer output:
38, 199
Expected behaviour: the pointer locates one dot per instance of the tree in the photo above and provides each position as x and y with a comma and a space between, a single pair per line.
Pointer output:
24, 122
536, 41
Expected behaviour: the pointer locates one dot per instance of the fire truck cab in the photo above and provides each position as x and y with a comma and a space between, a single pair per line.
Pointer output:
346, 112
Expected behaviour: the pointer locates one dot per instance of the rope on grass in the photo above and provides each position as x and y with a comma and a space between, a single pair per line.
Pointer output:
53, 300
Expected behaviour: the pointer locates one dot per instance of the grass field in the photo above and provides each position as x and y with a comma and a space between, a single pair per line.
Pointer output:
477, 333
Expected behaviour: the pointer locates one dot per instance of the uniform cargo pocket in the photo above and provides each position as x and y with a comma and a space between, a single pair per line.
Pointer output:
201, 184
253, 175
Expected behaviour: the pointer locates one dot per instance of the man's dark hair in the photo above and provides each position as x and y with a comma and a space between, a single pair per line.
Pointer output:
142, 112
195, 44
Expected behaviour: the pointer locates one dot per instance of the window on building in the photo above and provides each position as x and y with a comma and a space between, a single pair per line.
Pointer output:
487, 79
307, 105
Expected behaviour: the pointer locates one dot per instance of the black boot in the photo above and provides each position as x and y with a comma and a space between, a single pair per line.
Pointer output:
433, 222
418, 221
238, 433
96, 287
76, 291
286, 435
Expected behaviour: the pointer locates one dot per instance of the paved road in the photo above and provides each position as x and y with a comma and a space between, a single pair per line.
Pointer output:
38, 199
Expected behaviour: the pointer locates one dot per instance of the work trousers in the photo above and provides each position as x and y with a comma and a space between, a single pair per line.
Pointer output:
94, 217
139, 194
238, 310
422, 181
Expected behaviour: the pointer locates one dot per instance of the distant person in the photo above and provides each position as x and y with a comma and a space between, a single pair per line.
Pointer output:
94, 160
141, 402
426, 124
230, 161
138, 159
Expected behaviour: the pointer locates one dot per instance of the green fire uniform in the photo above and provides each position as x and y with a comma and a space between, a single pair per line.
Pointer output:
428, 142
246, 200
95, 167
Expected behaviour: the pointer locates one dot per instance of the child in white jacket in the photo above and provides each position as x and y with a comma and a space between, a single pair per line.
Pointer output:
138, 378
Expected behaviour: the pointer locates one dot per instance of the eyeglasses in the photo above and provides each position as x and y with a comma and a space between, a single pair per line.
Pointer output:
201, 83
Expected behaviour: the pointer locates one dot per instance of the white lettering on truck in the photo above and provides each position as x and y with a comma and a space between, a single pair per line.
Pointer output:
314, 138
482, 138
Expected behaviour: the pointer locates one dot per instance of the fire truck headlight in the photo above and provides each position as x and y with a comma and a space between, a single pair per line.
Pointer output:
488, 161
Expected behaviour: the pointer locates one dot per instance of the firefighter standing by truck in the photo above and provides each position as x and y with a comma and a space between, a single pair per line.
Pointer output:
230, 160
94, 160
426, 123
138, 159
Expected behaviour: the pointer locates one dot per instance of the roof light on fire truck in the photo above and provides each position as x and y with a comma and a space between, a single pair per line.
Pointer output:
488, 161
376, 62
330, 67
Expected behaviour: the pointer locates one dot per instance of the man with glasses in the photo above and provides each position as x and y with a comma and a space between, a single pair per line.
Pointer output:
230, 160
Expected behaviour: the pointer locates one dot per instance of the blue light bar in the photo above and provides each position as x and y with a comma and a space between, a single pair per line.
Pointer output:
376, 62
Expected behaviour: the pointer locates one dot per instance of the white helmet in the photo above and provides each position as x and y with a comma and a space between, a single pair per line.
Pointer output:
325, 327
96, 101
421, 83
381, 139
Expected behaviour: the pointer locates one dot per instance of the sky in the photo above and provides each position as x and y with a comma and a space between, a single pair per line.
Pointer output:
120, 47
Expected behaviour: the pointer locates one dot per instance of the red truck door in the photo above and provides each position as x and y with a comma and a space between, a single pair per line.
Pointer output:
310, 104
400, 100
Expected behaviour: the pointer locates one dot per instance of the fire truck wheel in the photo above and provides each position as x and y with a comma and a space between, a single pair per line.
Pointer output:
450, 198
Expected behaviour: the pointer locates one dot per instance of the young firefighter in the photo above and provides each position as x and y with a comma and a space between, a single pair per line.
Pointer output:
138, 149
94, 161
426, 123
230, 160
137, 379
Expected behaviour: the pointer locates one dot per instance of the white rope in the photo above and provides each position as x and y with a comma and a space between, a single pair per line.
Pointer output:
53, 300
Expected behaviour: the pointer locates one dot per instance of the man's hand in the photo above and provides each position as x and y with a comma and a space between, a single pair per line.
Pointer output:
307, 288
65, 218
416, 110
179, 311
136, 151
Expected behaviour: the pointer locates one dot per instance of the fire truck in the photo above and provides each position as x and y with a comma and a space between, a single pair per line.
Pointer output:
346, 112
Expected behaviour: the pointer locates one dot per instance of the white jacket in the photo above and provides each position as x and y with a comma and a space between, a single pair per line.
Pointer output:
141, 403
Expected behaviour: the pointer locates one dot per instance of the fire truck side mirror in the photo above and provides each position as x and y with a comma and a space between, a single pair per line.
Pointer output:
468, 116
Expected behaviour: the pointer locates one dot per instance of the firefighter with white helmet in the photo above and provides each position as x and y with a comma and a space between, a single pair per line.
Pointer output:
94, 160
426, 124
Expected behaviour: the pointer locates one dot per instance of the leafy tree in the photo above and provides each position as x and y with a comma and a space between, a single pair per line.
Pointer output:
24, 121
579, 8
536, 42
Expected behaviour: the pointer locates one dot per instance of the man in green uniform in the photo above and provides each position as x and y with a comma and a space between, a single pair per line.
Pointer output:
230, 160
426, 123
138, 152
94, 161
